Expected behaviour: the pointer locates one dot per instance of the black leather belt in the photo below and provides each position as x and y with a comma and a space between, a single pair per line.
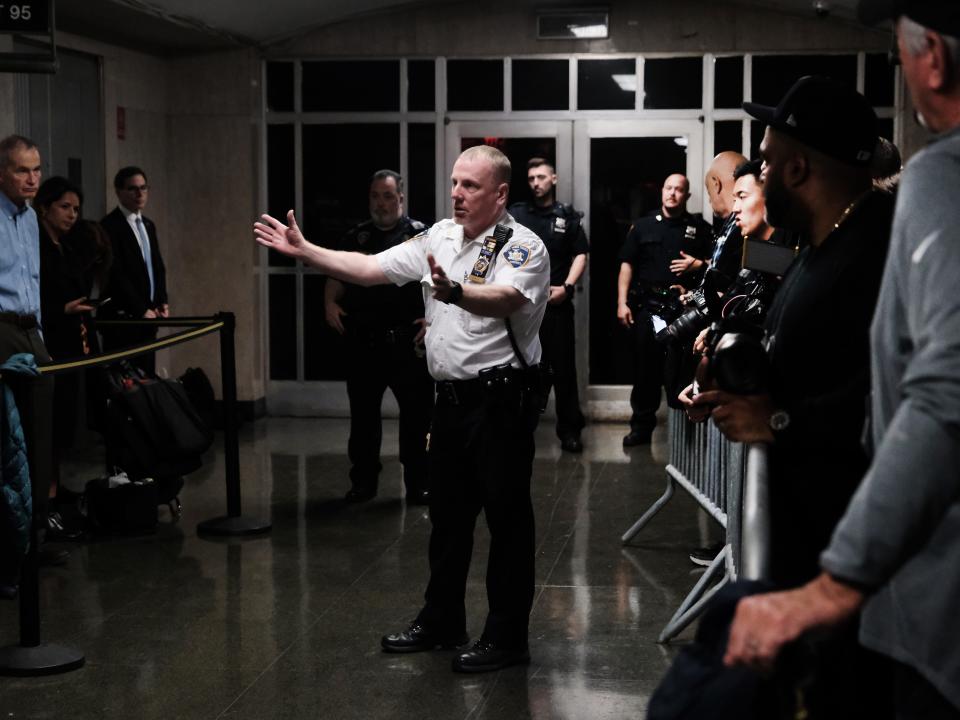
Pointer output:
21, 321
461, 392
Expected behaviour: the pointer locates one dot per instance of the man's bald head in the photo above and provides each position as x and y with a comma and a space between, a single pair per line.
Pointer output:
719, 181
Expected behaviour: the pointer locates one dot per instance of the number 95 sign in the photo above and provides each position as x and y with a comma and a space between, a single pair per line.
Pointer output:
24, 17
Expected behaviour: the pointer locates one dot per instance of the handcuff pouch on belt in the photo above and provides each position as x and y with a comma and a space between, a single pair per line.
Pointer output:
536, 379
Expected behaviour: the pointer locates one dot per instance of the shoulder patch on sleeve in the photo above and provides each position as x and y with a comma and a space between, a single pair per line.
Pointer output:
517, 254
417, 226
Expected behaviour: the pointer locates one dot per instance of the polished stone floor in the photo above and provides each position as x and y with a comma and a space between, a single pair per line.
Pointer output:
287, 625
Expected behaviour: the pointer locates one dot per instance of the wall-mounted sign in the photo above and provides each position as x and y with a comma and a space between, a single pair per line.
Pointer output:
25, 17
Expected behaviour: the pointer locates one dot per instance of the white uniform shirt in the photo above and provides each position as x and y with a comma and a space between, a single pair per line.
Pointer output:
461, 344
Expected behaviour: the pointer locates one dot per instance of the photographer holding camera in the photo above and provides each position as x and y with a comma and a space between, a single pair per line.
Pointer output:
816, 181
663, 253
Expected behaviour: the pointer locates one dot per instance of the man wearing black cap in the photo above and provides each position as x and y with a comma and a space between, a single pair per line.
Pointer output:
894, 552
817, 182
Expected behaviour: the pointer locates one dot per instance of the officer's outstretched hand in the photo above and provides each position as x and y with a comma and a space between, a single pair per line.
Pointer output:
273, 234
442, 285
335, 315
624, 315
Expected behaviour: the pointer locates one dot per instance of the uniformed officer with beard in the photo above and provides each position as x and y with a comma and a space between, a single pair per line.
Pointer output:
383, 328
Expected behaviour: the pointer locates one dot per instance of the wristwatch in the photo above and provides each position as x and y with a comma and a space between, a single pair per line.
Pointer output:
456, 293
569, 289
779, 420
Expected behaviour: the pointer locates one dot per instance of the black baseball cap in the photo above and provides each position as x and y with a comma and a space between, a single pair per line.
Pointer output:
826, 115
942, 16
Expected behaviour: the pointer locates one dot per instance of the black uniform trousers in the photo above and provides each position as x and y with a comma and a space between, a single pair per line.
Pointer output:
34, 398
481, 458
649, 356
377, 361
559, 353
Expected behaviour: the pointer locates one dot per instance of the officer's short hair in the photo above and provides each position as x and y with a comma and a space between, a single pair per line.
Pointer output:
384, 174
501, 163
750, 167
11, 143
124, 174
538, 161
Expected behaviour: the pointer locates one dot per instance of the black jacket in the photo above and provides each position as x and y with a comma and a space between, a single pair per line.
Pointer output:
129, 283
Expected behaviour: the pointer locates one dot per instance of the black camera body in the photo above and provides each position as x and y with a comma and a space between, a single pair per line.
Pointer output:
659, 301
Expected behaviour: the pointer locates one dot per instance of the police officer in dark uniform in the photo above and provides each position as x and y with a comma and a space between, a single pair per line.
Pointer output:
383, 327
663, 250
560, 228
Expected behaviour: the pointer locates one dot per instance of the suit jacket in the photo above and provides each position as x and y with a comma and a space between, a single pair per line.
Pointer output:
129, 285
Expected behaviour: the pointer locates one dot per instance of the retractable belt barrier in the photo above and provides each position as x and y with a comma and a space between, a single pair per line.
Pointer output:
729, 481
31, 657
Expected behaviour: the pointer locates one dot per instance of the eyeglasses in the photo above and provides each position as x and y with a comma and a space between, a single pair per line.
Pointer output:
136, 188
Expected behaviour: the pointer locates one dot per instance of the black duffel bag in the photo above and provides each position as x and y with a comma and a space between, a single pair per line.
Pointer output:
153, 430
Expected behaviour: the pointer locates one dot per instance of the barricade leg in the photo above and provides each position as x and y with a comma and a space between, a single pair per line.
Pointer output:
648, 515
698, 598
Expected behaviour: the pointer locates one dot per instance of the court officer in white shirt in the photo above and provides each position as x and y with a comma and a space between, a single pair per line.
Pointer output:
485, 278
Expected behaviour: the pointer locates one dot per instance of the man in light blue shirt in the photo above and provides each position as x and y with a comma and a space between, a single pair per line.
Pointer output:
20, 322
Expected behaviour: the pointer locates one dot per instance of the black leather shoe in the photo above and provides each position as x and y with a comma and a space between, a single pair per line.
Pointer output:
58, 530
418, 497
634, 438
571, 444
486, 656
359, 495
418, 638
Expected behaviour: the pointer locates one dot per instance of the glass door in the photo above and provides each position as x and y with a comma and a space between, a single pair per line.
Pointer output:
621, 166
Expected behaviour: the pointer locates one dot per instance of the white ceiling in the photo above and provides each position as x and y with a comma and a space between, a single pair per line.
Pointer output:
181, 26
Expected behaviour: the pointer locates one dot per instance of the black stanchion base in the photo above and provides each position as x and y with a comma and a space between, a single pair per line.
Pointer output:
40, 660
228, 526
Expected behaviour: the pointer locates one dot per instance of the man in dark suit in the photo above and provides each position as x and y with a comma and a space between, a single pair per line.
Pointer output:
138, 284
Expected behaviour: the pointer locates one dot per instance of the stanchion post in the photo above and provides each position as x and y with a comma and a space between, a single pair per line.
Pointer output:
31, 657
231, 438
233, 523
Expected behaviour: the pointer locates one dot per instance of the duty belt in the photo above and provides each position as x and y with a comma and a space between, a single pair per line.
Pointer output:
21, 321
475, 390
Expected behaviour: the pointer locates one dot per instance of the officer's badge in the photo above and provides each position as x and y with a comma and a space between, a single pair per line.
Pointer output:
362, 237
481, 266
560, 225
517, 255
691, 232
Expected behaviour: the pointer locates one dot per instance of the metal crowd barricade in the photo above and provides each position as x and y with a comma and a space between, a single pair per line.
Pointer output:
728, 480
32, 657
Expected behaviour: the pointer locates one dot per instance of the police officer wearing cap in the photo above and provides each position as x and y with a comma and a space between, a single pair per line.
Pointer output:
383, 329
664, 250
487, 281
560, 228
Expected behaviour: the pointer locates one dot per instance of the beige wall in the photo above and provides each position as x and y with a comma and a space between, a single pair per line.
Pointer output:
499, 27
191, 125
